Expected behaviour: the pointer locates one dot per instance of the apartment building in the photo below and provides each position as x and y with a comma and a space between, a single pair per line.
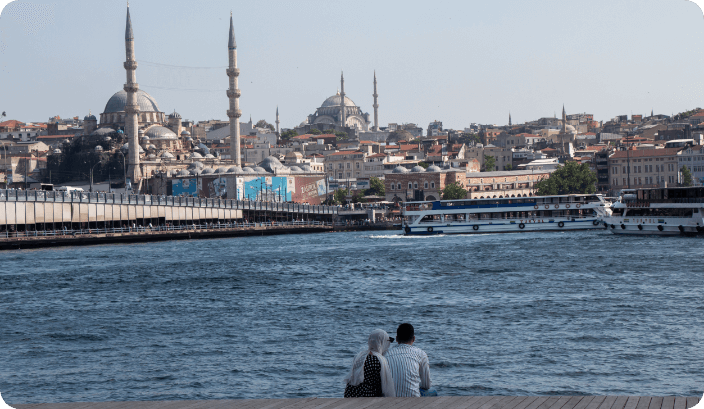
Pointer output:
643, 168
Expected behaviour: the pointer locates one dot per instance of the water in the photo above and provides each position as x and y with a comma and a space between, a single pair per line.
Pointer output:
282, 317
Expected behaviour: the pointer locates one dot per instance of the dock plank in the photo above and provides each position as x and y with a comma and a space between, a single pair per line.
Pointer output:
441, 402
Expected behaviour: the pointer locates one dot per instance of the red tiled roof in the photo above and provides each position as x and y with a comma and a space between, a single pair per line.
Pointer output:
377, 155
548, 150
408, 147
344, 153
11, 123
645, 153
368, 142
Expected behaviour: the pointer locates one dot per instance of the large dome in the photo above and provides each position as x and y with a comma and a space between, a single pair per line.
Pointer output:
117, 102
335, 101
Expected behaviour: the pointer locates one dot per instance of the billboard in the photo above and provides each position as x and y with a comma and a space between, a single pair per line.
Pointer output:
184, 187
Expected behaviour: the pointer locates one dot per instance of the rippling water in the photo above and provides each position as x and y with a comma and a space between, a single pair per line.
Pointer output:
282, 317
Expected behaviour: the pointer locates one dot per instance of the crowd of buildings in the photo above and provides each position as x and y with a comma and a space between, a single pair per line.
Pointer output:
339, 146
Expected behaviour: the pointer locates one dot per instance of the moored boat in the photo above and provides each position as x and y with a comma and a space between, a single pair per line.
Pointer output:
658, 211
504, 215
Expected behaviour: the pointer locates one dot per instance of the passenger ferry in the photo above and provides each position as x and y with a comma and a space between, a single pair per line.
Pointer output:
504, 215
660, 211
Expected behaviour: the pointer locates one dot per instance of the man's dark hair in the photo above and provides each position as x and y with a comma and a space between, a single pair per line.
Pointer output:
404, 333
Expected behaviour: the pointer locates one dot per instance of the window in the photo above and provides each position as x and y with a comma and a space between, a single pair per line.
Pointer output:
415, 185
624, 170
357, 165
410, 185
399, 186
624, 182
425, 185
339, 175
615, 170
432, 185
348, 165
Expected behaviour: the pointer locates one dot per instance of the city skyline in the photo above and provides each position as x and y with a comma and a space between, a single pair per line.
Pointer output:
68, 60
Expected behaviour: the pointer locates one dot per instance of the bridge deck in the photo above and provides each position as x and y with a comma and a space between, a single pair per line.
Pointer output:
449, 402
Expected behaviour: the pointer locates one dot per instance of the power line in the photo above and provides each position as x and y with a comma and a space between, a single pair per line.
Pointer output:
185, 89
180, 66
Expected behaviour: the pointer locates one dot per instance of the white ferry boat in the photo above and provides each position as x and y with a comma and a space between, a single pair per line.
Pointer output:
658, 211
504, 215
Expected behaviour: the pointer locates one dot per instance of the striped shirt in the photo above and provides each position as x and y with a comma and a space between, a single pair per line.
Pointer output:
409, 368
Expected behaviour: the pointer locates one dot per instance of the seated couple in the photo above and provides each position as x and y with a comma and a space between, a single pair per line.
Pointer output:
401, 371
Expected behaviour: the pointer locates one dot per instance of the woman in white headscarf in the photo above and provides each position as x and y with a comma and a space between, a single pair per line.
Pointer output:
370, 375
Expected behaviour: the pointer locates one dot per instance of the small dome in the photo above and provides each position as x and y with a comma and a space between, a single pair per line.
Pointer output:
160, 132
150, 146
433, 168
235, 169
107, 139
152, 156
260, 169
306, 168
196, 155
90, 117
98, 148
189, 139
295, 169
399, 169
141, 132
145, 137
418, 169
185, 133
125, 147
57, 151
270, 164
175, 115
196, 172
183, 172
208, 171
209, 156
247, 169
196, 165
221, 170
167, 155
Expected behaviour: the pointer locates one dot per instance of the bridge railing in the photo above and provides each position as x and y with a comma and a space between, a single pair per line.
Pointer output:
11, 195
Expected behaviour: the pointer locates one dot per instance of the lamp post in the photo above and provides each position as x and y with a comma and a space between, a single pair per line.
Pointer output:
91, 175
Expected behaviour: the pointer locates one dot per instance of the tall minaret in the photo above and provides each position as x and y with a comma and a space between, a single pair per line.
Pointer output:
509, 118
376, 106
343, 114
131, 106
277, 120
233, 94
564, 120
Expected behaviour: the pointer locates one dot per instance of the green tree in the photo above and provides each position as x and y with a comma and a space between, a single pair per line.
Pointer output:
686, 176
264, 124
453, 191
315, 131
469, 138
376, 187
423, 165
508, 166
489, 163
571, 178
288, 134
340, 196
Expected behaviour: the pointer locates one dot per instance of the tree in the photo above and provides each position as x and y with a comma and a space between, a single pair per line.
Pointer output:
686, 176
315, 131
469, 138
286, 135
571, 178
340, 196
508, 166
264, 124
489, 163
423, 165
453, 191
376, 187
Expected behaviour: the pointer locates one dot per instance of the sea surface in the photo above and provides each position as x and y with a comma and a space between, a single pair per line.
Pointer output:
283, 316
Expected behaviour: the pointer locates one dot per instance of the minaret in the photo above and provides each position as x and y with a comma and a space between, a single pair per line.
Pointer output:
376, 106
564, 120
509, 118
131, 106
277, 120
233, 94
343, 114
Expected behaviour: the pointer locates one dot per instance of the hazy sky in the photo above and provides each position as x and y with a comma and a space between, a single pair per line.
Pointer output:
455, 61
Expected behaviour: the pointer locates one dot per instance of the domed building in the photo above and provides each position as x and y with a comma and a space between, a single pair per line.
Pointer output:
331, 112
114, 113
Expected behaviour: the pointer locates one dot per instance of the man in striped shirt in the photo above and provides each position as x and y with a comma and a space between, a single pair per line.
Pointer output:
409, 365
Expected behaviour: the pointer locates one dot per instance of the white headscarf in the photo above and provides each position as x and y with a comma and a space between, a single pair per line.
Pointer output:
378, 344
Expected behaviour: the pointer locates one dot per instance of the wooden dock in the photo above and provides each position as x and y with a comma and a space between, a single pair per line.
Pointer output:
449, 402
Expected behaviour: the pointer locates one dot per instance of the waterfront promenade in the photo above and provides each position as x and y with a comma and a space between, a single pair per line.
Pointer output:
449, 402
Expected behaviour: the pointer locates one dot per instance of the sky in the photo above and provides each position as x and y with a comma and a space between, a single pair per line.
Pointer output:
458, 62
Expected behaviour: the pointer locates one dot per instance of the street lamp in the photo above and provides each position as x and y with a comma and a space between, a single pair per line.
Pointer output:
91, 176
124, 167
